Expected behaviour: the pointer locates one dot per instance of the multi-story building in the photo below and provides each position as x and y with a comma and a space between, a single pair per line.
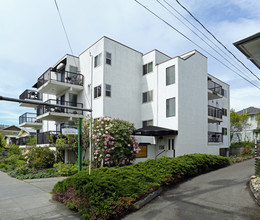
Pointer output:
176, 106
248, 133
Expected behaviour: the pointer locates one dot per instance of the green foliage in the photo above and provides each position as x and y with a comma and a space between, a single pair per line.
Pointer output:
65, 169
243, 144
41, 157
110, 192
238, 122
2, 144
25, 171
247, 150
14, 150
114, 145
32, 141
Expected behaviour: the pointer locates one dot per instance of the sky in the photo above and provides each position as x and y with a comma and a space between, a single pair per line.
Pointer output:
32, 38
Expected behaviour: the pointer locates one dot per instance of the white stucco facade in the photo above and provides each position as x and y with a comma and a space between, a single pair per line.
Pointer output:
126, 84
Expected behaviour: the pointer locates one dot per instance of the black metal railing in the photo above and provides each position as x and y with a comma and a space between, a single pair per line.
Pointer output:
215, 112
44, 109
215, 137
47, 137
28, 117
215, 87
31, 94
63, 76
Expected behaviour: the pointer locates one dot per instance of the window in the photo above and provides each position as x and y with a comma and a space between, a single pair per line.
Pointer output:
97, 91
170, 75
147, 68
97, 60
148, 123
148, 96
224, 92
224, 112
143, 152
224, 131
72, 99
108, 58
108, 90
170, 107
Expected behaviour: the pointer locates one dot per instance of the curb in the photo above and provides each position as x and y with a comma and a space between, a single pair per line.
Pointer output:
148, 198
255, 193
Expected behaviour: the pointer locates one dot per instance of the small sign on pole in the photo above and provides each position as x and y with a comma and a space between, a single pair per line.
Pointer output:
69, 130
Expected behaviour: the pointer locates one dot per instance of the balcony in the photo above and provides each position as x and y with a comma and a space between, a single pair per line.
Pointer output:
59, 114
215, 137
29, 120
214, 114
54, 82
215, 90
31, 95
48, 137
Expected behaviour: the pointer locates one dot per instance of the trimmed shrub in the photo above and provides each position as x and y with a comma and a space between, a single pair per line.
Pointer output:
41, 157
109, 193
65, 169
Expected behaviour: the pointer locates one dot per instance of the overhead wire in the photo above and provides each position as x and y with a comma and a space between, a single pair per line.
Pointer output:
217, 39
68, 41
204, 40
194, 43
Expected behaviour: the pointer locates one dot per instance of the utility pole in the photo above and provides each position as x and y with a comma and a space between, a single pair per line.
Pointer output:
62, 106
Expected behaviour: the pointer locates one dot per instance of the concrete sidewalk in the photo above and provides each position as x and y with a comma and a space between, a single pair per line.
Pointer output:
30, 199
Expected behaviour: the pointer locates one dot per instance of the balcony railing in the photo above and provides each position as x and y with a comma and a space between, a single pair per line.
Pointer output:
215, 137
44, 109
215, 112
64, 76
28, 117
31, 94
215, 87
47, 137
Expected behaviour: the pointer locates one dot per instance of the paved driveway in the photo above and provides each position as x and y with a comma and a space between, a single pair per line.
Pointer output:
218, 195
30, 199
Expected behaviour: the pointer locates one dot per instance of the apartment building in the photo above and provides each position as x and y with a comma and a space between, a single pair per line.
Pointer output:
176, 106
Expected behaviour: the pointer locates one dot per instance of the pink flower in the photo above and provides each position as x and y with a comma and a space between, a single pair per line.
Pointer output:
131, 161
113, 148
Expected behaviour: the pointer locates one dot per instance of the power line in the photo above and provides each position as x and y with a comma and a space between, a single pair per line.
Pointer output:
217, 39
203, 39
65, 30
194, 43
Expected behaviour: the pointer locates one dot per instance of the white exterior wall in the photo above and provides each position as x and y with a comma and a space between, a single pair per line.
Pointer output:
192, 105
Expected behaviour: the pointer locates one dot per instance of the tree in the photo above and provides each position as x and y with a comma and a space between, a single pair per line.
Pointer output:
2, 144
238, 123
114, 143
257, 118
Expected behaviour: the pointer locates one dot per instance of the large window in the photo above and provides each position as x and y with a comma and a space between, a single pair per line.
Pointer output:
97, 60
97, 91
108, 58
148, 123
170, 107
108, 90
148, 96
170, 75
147, 68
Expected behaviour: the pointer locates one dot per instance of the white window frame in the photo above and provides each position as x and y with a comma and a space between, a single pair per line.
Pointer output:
107, 58
96, 91
108, 90
166, 74
147, 122
146, 68
168, 104
98, 60
149, 96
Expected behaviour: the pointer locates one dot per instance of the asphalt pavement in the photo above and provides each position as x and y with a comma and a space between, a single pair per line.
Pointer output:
222, 194
30, 199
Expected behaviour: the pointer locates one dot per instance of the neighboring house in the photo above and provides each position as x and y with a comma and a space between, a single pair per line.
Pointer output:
176, 106
248, 133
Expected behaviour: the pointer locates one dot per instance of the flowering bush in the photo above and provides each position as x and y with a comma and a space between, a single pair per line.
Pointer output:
114, 145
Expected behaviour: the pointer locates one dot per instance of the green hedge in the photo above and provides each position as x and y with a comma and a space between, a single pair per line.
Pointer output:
110, 193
